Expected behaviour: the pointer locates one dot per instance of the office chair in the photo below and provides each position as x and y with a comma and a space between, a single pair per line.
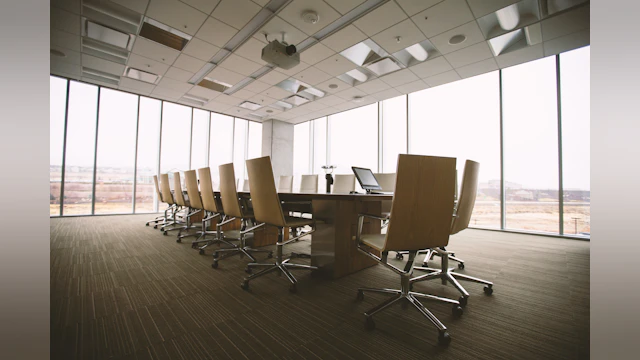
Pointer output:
344, 184
268, 211
167, 196
194, 203
285, 184
178, 196
160, 218
309, 184
387, 183
461, 218
233, 209
420, 218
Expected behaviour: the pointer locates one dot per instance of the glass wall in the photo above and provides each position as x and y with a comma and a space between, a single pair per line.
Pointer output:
239, 148
254, 148
394, 132
199, 139
221, 147
148, 155
575, 100
441, 127
319, 156
353, 139
176, 132
57, 109
301, 155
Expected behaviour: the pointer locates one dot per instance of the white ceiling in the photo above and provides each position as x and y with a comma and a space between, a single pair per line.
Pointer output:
213, 23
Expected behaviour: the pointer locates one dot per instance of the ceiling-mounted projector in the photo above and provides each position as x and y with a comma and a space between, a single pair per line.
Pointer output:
281, 54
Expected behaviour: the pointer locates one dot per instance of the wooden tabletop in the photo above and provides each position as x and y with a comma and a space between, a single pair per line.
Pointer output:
323, 196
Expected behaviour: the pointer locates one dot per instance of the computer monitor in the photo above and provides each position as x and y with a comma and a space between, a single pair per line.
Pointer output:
366, 179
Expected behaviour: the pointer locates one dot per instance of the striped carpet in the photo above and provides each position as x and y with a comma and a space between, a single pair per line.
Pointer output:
120, 290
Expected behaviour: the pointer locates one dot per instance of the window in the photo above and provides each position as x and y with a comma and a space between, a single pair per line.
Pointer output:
199, 139
394, 132
148, 154
575, 100
115, 161
353, 139
221, 146
530, 128
176, 131
80, 148
255, 140
57, 109
462, 120
301, 146
239, 148
319, 128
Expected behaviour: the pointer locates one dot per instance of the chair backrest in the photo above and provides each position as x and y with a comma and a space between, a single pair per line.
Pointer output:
386, 181
422, 203
245, 185
166, 189
266, 204
206, 190
191, 181
228, 193
467, 198
309, 184
285, 184
344, 184
155, 182
177, 190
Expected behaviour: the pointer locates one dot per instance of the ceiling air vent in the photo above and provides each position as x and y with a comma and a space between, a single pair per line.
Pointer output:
249, 105
100, 76
141, 75
164, 34
214, 85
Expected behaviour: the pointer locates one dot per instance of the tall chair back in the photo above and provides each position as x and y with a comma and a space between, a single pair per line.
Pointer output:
344, 184
386, 181
467, 199
177, 190
228, 193
422, 203
155, 182
266, 204
166, 189
191, 181
285, 184
206, 190
309, 184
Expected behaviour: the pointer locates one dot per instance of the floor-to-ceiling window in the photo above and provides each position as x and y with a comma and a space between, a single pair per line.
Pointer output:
301, 155
530, 128
319, 156
176, 132
462, 120
57, 110
239, 148
199, 139
221, 147
80, 148
575, 100
353, 139
254, 147
148, 155
394, 132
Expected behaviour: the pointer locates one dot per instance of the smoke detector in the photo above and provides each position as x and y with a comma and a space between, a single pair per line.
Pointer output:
310, 17
357, 99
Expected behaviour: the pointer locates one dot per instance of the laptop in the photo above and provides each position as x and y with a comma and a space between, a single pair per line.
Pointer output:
368, 181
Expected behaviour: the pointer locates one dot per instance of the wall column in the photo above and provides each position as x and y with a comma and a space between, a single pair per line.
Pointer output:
277, 142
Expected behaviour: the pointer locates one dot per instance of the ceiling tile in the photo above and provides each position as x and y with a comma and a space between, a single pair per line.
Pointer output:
381, 18
216, 32
177, 15
273, 77
65, 40
73, 57
443, 17
349, 93
412, 7
345, 106
240, 65
406, 30
178, 74
345, 38
167, 94
312, 76
261, 2
238, 111
567, 42
277, 93
344, 6
139, 6
155, 51
294, 70
412, 87
469, 55
373, 86
566, 23
64, 20
135, 91
200, 49
440, 79
257, 86
243, 94
398, 78
315, 53
252, 50
431, 67
520, 56
204, 92
227, 76
229, 100
102, 65
69, 5
236, 13
471, 30
263, 100
293, 15
175, 85
339, 86
206, 6
216, 106
481, 8
65, 67
387, 94
331, 100
98, 82
186, 62
145, 64
274, 29
336, 65
478, 68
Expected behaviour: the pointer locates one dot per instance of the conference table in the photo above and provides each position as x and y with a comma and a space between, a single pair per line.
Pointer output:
333, 248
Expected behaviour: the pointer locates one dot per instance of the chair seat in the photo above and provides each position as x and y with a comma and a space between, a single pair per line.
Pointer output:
293, 221
375, 241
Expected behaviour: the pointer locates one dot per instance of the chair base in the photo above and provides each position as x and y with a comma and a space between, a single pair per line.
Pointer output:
447, 274
283, 268
242, 251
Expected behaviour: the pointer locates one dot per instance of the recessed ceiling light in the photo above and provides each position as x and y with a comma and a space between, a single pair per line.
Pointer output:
141, 75
457, 39
59, 53
107, 35
269, 111
249, 105
333, 86
418, 52
357, 99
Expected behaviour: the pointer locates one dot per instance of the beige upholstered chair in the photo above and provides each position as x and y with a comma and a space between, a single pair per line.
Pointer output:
178, 196
309, 184
285, 184
461, 218
234, 209
167, 196
387, 181
343, 184
161, 218
268, 211
194, 203
420, 219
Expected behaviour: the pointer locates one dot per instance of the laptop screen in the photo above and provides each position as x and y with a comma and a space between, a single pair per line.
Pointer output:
366, 178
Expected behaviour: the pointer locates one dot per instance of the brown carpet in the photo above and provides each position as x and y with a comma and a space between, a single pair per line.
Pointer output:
122, 290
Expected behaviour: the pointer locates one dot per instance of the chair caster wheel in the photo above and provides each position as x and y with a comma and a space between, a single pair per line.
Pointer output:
463, 301
245, 285
293, 288
164, 233
201, 251
457, 311
247, 270
155, 226
270, 255
444, 339
214, 265
369, 324
146, 224
460, 266
178, 240
488, 290
215, 255
425, 263
399, 256
360, 295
